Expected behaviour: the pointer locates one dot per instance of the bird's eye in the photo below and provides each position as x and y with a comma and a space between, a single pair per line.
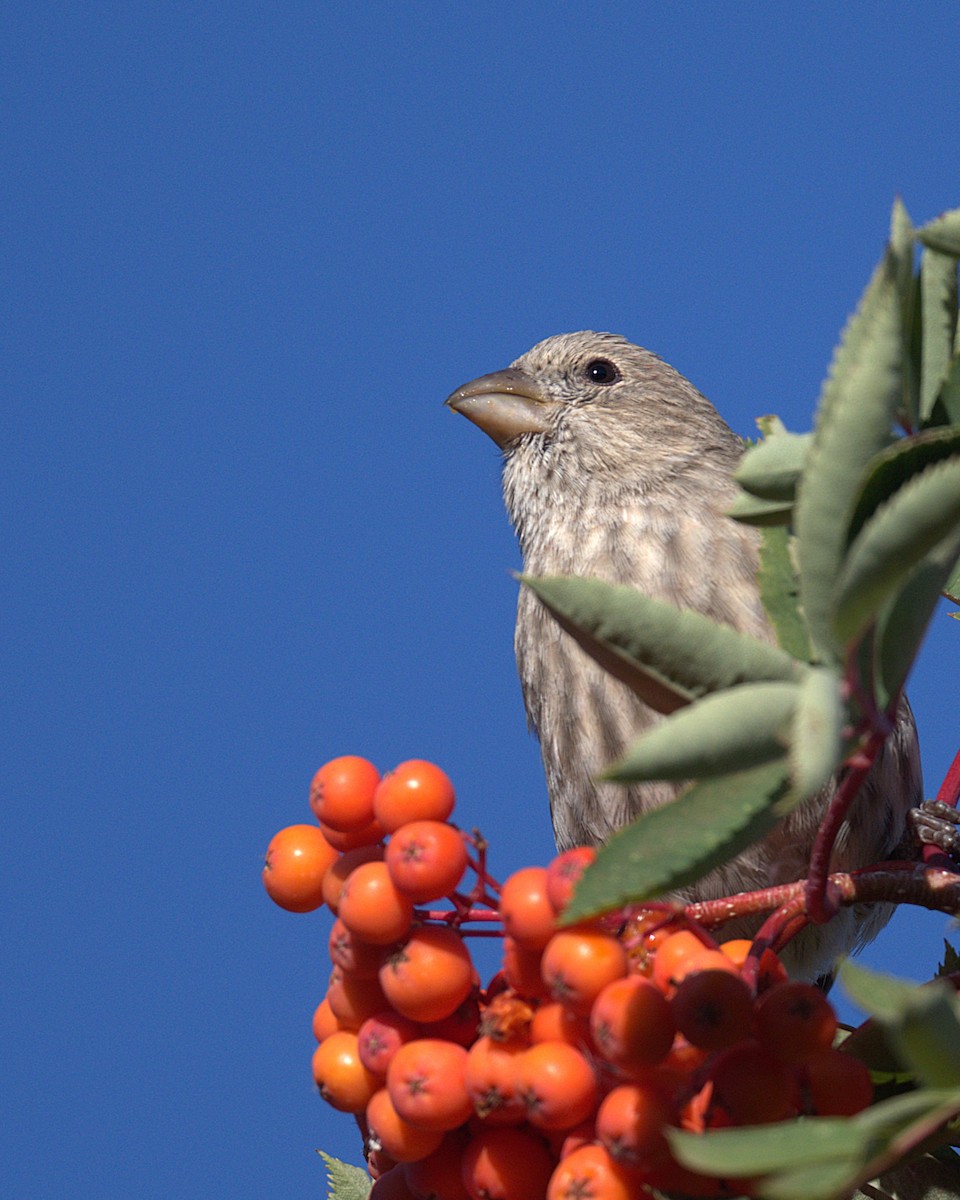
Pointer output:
601, 370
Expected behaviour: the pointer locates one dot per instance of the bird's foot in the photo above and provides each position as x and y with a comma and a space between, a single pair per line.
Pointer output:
936, 824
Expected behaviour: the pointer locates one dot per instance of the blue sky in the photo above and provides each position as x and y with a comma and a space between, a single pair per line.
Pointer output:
248, 251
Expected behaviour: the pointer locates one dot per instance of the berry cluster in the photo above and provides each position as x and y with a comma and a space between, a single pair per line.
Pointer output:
560, 1077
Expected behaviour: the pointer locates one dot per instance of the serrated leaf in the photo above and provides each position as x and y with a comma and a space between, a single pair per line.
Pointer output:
904, 619
760, 1149
751, 510
922, 1023
951, 588
889, 470
943, 234
726, 731
346, 1182
938, 283
946, 410
817, 1158
769, 425
951, 960
857, 405
771, 469
902, 236
779, 592
925, 511
816, 737
674, 845
667, 656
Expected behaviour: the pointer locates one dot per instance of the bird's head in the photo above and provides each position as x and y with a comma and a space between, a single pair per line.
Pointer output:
595, 396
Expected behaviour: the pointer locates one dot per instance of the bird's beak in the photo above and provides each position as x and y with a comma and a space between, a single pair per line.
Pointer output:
505, 405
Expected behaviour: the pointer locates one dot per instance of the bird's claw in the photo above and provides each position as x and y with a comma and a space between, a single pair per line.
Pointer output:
937, 824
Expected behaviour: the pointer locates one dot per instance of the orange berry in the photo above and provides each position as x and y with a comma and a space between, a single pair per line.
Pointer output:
392, 1185
343, 1080
713, 1009
631, 1023
835, 1084
426, 859
795, 1020
578, 964
336, 877
297, 860
439, 1175
752, 1086
341, 794
430, 975
490, 1076
414, 791
353, 1000
426, 1083
554, 1022
380, 1164
401, 1140
591, 1171
324, 1020
353, 956
563, 875
350, 839
630, 1123
771, 971
506, 1164
521, 966
371, 907
381, 1036
556, 1085
565, 1141
680, 955
525, 910
461, 1026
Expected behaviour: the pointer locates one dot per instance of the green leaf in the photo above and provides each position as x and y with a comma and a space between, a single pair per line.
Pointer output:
943, 234
779, 592
771, 469
729, 730
750, 510
674, 845
760, 1149
951, 960
951, 588
946, 411
889, 470
667, 656
938, 283
902, 532
816, 740
854, 419
345, 1181
922, 1023
902, 236
815, 1158
904, 620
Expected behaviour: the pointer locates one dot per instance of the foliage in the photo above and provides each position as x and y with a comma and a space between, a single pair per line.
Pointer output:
859, 537
860, 525
346, 1182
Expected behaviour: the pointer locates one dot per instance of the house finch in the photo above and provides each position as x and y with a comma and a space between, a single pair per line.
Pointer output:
616, 467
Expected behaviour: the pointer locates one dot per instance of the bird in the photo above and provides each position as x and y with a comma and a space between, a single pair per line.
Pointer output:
616, 467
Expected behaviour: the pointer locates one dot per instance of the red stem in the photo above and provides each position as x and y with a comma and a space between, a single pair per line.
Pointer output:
819, 909
949, 793
950, 788
455, 916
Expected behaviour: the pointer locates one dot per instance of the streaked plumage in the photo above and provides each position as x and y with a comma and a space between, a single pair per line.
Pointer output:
628, 480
